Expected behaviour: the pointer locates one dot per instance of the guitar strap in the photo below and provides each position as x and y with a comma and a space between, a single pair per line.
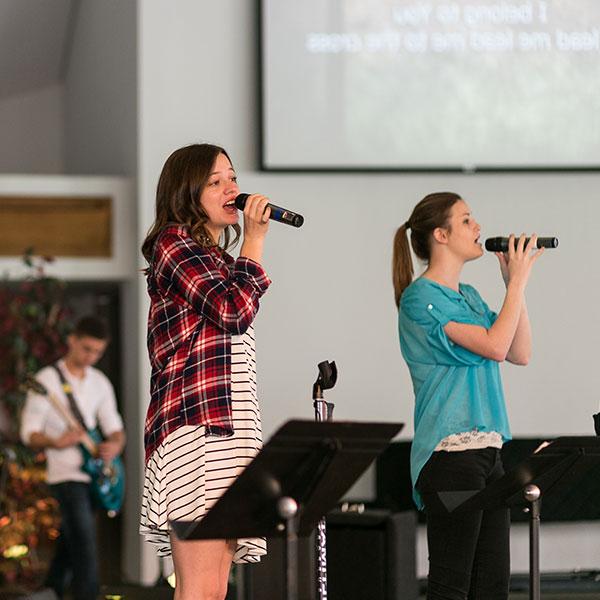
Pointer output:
68, 390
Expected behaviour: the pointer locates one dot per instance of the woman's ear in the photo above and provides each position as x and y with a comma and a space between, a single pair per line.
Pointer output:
440, 235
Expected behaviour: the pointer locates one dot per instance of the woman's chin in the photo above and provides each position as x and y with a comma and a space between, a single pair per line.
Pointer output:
476, 254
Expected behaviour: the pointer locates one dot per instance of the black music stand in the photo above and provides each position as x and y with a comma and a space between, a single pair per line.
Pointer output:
297, 477
557, 467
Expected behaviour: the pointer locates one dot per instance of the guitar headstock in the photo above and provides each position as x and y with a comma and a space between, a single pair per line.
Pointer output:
31, 384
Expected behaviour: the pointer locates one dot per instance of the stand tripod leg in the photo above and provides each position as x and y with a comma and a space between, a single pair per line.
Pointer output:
288, 509
532, 494
291, 562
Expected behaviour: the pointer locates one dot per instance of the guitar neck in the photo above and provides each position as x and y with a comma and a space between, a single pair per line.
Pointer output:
72, 423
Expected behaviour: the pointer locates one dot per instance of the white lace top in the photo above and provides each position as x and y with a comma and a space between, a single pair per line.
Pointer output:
470, 440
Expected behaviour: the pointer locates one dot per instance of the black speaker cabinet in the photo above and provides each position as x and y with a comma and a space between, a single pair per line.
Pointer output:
266, 580
370, 556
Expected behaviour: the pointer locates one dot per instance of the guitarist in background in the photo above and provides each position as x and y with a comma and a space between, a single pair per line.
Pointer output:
43, 428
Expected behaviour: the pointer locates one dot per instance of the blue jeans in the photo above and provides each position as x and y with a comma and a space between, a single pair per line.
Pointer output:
75, 560
469, 554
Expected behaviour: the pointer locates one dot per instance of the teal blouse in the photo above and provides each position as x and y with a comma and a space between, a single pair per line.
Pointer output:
455, 389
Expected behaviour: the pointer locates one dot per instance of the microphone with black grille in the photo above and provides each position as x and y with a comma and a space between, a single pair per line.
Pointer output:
500, 244
283, 215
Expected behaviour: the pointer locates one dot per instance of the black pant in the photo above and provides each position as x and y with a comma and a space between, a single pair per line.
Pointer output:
469, 554
75, 560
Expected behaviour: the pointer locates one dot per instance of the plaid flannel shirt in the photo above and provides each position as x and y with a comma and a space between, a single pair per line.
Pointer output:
199, 298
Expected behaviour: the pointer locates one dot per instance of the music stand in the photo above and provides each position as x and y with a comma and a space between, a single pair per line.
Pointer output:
297, 477
558, 466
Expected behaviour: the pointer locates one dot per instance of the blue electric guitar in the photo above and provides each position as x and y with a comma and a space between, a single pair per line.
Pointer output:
107, 479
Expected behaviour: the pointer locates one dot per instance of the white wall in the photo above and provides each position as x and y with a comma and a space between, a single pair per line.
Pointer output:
101, 90
332, 297
32, 126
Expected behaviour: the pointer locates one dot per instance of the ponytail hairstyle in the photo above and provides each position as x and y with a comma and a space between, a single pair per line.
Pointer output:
182, 181
429, 214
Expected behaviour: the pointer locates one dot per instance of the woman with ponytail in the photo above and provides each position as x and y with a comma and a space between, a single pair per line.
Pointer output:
453, 344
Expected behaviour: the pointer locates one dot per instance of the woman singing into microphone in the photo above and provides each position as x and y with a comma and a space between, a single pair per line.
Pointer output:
203, 422
452, 343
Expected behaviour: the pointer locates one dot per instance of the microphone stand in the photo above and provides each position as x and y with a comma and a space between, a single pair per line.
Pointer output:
323, 412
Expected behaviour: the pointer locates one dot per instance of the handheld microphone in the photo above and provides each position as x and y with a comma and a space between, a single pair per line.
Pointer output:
500, 244
283, 215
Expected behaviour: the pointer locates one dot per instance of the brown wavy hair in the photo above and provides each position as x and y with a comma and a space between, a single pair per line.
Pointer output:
429, 214
182, 181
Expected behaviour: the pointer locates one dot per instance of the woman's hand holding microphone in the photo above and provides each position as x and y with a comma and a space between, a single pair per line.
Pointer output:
517, 262
256, 225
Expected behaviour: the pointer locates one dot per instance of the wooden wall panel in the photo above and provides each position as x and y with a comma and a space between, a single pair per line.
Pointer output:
74, 226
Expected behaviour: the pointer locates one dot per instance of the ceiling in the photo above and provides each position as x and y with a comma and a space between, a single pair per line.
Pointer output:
35, 40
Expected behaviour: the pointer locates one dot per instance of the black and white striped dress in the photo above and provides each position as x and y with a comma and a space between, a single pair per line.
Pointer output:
189, 471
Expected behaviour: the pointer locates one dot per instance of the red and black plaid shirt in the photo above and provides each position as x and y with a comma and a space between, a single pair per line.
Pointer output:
199, 298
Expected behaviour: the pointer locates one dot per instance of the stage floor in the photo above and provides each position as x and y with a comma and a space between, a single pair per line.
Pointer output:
129, 592
164, 592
